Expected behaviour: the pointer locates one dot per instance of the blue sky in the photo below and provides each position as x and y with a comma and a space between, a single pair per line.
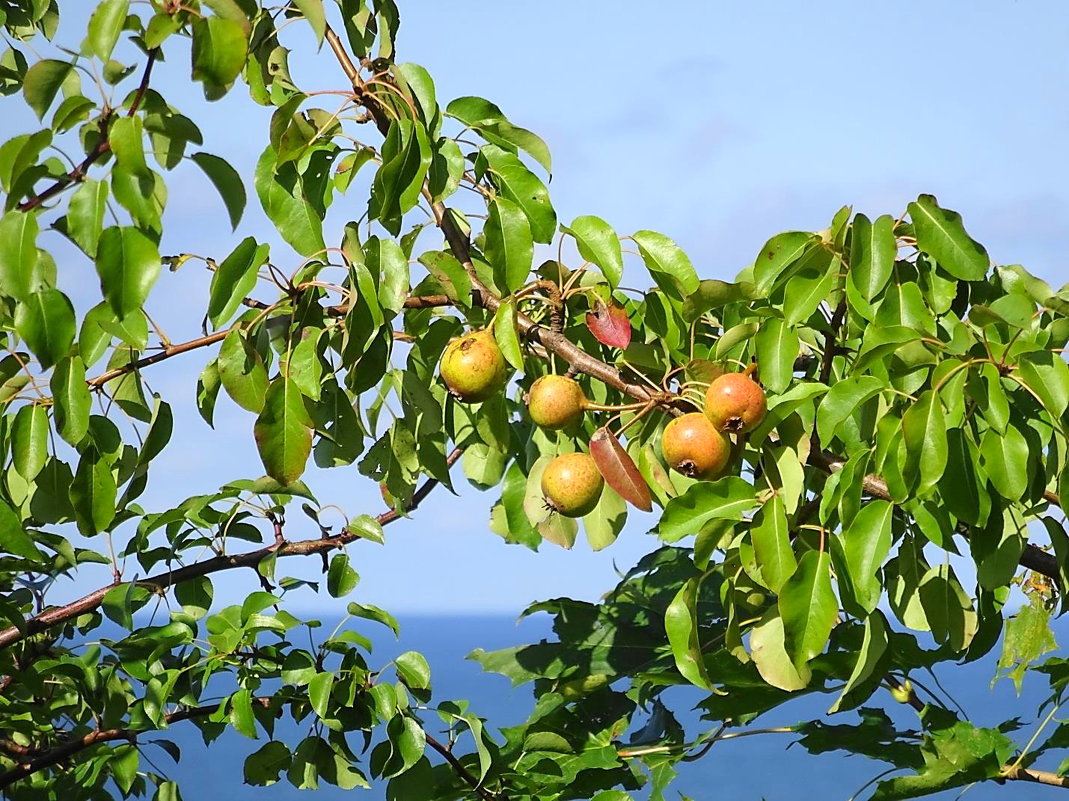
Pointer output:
716, 124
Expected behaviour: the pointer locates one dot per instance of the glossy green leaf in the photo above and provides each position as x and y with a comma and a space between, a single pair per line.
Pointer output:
874, 647
941, 234
727, 498
866, 543
714, 294
218, 54
85, 214
281, 193
810, 286
234, 279
45, 320
667, 263
1047, 375
93, 494
924, 433
313, 12
18, 253
42, 83
1005, 461
227, 182
598, 243
71, 400
386, 258
507, 335
128, 263
509, 246
105, 25
490, 121
842, 401
241, 715
242, 372
681, 625
779, 254
29, 440
13, 537
772, 544
406, 159
413, 669
808, 607
283, 432
768, 649
777, 347
524, 188
341, 578
872, 254
450, 273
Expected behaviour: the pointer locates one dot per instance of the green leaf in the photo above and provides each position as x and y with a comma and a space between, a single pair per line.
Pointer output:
305, 367
962, 490
18, 253
681, 626
45, 320
413, 670
406, 159
42, 83
241, 715
726, 498
234, 279
869, 658
942, 236
1047, 375
264, 766
713, 294
772, 545
85, 214
509, 246
281, 193
842, 401
506, 335
1028, 636
598, 244
1005, 461
523, 188
808, 607
812, 285
70, 399
105, 26
93, 494
126, 138
219, 49
128, 263
341, 579
488, 120
924, 432
450, 273
777, 347
386, 259
242, 372
866, 544
227, 182
767, 647
667, 263
13, 537
778, 254
29, 440
283, 432
872, 254
312, 10
319, 693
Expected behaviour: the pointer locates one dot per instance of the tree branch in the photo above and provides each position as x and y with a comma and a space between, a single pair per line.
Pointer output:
42, 759
461, 771
1032, 557
162, 581
78, 174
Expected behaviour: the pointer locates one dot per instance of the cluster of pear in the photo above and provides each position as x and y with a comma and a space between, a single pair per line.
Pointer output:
694, 444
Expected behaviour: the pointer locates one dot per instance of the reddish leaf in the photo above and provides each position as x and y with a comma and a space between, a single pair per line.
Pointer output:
619, 470
608, 322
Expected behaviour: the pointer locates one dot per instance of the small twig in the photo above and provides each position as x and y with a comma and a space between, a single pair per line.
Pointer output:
461, 771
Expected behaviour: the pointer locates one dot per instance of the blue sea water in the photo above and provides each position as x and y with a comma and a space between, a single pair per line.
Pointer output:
745, 769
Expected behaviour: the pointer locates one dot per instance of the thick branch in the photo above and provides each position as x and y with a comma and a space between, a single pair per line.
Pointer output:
60, 753
162, 581
1033, 558
78, 174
